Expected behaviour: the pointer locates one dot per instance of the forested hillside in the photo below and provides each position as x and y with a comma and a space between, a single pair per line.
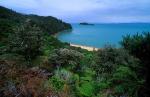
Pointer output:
46, 23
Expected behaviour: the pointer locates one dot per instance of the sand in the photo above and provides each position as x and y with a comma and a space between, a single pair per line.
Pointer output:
85, 47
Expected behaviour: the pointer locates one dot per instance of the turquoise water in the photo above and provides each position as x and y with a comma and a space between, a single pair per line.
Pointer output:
101, 34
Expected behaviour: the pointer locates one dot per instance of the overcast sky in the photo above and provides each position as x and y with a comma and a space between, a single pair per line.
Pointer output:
100, 11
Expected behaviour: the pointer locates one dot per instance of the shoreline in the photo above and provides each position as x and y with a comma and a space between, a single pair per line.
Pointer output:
85, 47
89, 48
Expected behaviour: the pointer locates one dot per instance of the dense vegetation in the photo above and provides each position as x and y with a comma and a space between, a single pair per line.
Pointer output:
139, 46
46, 23
33, 63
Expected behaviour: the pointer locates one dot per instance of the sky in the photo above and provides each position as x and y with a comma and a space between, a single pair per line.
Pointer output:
93, 11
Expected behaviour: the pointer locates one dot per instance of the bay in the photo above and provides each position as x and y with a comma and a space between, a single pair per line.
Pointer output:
99, 35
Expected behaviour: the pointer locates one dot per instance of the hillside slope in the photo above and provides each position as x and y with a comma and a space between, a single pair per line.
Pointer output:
46, 23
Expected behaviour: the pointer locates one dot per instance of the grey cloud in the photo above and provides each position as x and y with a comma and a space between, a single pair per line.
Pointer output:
85, 10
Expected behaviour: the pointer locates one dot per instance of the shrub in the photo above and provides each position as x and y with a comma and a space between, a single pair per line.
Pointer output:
107, 60
126, 81
64, 75
5, 28
56, 83
51, 43
66, 58
103, 85
26, 41
86, 89
139, 46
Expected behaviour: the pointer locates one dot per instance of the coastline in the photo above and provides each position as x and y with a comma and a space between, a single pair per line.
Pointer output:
85, 47
89, 48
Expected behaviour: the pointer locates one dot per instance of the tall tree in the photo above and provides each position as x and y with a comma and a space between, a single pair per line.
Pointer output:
27, 40
139, 46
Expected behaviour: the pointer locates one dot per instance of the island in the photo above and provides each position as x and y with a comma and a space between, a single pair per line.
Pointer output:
84, 23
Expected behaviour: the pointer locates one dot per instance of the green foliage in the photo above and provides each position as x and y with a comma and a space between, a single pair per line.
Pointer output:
139, 46
87, 74
105, 60
56, 83
5, 28
126, 81
66, 57
109, 58
110, 73
47, 24
50, 24
51, 43
86, 89
86, 85
103, 85
64, 74
88, 59
124, 73
27, 41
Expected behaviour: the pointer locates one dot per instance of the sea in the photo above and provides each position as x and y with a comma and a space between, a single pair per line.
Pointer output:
101, 35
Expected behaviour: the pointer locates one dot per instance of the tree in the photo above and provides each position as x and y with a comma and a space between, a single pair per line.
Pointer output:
109, 58
126, 82
26, 41
66, 58
139, 46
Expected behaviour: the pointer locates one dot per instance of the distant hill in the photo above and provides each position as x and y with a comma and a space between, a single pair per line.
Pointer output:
10, 18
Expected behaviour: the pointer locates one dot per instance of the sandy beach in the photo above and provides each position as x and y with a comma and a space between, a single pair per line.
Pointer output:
81, 46
85, 47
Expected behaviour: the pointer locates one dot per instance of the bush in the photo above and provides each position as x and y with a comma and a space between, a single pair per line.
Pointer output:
26, 41
5, 28
139, 46
64, 75
126, 81
103, 85
57, 83
66, 58
107, 60
86, 89
51, 43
